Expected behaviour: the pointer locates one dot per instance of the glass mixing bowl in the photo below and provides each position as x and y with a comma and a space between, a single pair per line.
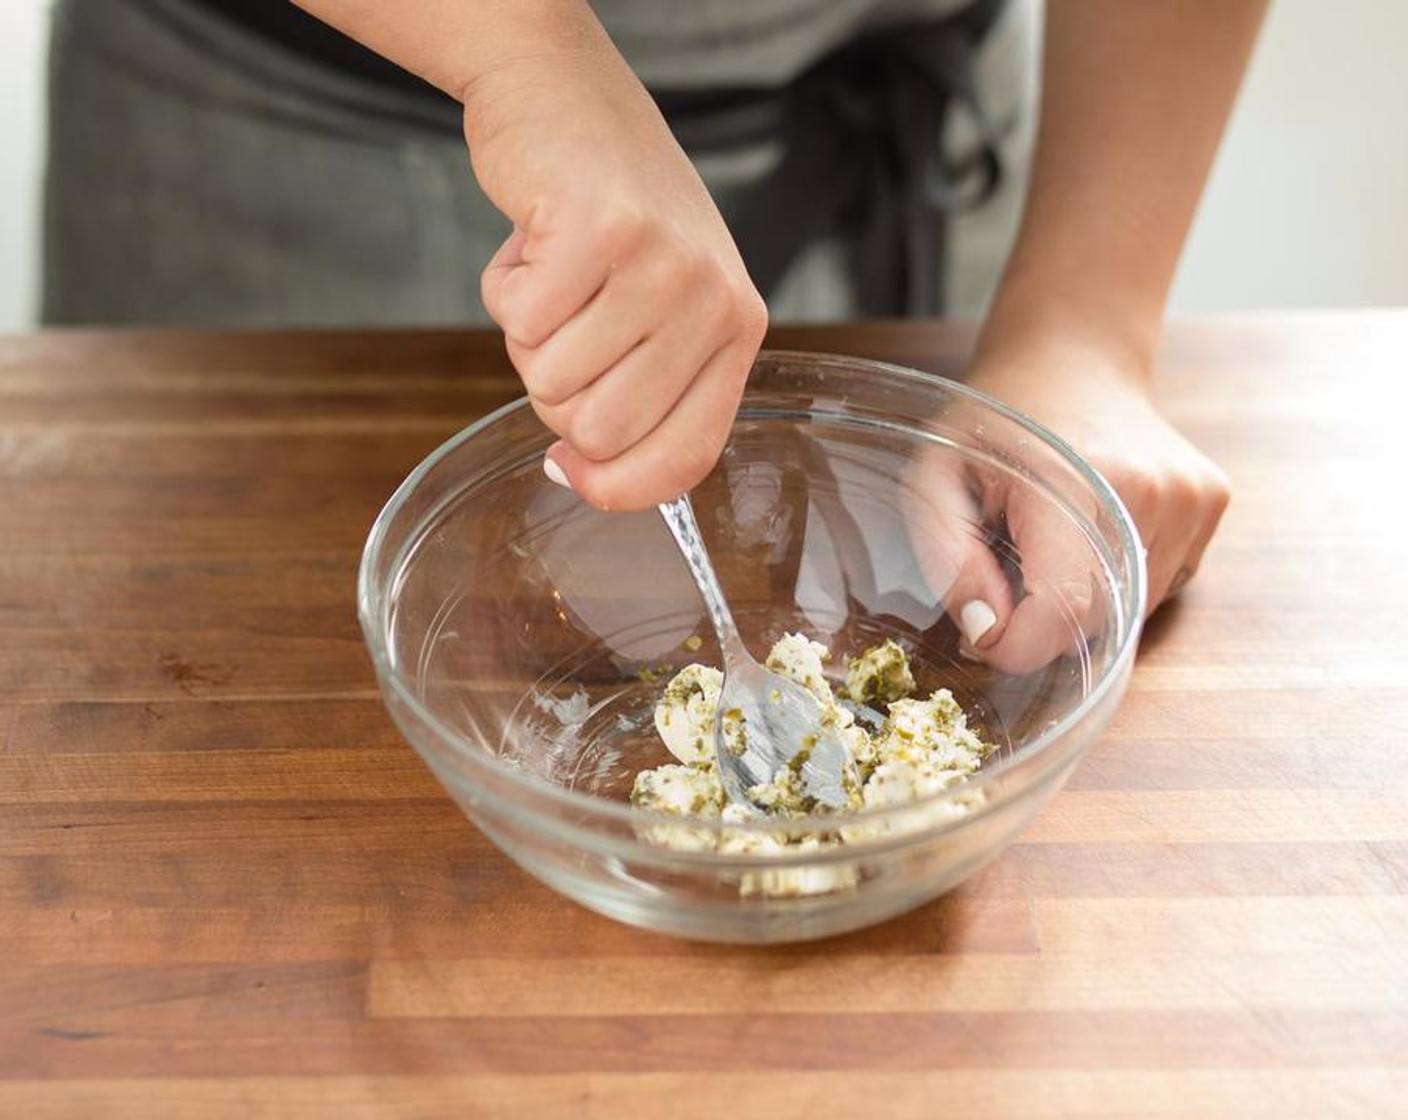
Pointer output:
521, 638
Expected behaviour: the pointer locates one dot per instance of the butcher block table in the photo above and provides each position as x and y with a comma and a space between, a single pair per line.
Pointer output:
229, 889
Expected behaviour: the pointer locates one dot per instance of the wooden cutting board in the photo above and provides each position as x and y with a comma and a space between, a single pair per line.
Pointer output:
229, 889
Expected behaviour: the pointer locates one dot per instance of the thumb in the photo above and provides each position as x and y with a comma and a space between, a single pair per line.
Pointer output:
1059, 605
955, 549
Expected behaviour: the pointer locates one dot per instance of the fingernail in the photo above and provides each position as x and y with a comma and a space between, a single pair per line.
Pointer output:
976, 618
555, 473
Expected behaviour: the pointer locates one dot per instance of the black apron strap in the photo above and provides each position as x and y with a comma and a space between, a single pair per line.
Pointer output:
862, 158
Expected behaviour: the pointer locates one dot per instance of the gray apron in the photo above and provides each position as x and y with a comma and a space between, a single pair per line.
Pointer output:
200, 174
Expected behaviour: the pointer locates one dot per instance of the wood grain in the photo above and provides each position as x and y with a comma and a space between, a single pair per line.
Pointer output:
832, 984
229, 889
1350, 1092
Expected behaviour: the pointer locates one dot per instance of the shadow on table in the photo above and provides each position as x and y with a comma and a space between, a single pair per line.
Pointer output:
1161, 624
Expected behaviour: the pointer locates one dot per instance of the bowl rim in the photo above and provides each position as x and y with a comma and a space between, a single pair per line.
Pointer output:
624, 812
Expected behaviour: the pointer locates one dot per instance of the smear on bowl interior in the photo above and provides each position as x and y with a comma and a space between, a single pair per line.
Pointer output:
902, 748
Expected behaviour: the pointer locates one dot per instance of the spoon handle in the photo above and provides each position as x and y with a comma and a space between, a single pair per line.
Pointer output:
679, 516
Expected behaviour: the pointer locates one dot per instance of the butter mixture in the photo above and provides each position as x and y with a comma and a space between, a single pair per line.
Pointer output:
913, 749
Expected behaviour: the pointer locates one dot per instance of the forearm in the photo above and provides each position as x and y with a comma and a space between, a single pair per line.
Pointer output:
1135, 98
456, 44
523, 70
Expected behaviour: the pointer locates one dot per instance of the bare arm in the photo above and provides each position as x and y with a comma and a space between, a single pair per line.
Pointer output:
1135, 97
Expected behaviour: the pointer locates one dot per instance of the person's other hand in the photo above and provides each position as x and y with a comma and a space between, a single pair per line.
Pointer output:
626, 307
1175, 494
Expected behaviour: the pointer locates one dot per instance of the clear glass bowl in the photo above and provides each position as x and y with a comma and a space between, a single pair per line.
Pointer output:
521, 638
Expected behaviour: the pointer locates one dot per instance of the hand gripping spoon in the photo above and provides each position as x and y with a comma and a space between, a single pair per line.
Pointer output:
778, 717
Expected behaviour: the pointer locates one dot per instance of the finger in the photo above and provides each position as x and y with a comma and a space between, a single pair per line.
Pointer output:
1042, 629
582, 349
1059, 605
509, 254
532, 288
506, 258
1185, 519
1217, 495
1172, 567
677, 454
954, 549
627, 403
1167, 558
688, 300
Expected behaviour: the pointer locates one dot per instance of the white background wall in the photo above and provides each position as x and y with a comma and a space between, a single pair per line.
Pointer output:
22, 45
1308, 203
1306, 206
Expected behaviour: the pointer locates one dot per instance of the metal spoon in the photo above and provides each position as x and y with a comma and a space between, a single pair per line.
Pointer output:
779, 716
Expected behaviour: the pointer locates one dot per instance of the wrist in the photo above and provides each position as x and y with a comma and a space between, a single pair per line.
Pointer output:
1049, 320
541, 43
